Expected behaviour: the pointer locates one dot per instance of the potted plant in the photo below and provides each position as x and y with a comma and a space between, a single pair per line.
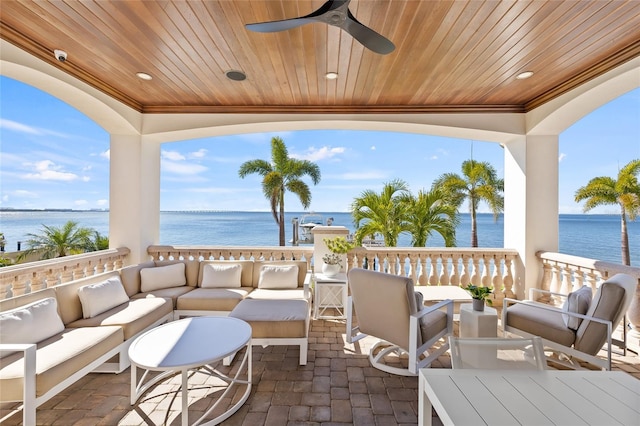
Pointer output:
338, 246
331, 264
479, 295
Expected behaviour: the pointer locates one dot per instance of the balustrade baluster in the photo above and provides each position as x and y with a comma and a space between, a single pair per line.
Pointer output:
475, 278
433, 270
444, 270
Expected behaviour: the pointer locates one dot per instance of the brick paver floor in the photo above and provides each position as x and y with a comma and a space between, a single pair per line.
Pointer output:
338, 386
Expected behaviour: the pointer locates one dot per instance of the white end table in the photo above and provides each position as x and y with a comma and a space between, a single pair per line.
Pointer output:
478, 323
330, 293
192, 344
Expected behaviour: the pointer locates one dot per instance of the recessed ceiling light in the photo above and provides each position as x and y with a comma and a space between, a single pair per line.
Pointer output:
331, 75
235, 75
143, 76
524, 75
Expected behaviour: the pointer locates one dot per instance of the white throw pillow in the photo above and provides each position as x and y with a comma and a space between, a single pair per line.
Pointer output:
577, 302
221, 276
162, 277
278, 277
31, 323
98, 298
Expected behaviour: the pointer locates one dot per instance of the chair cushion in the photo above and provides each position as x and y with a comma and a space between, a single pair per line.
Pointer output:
58, 358
577, 302
278, 277
160, 277
529, 317
432, 324
212, 299
30, 323
100, 297
606, 305
221, 276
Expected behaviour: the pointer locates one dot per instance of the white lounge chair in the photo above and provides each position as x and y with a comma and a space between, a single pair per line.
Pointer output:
386, 307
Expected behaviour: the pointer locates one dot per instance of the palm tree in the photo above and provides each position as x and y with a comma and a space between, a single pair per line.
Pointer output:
383, 213
58, 242
97, 242
625, 192
479, 182
280, 175
428, 213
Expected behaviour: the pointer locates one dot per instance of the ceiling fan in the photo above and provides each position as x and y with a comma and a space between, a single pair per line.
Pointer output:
336, 13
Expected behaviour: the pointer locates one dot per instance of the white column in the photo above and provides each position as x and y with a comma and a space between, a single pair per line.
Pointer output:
134, 195
531, 204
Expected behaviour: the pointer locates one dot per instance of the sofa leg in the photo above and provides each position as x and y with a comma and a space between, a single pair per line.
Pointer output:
303, 352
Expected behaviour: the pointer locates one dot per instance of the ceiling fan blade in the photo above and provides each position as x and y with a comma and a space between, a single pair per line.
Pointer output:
274, 26
368, 37
287, 24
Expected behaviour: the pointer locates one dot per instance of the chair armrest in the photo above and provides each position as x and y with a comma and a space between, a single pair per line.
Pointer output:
448, 303
307, 285
545, 292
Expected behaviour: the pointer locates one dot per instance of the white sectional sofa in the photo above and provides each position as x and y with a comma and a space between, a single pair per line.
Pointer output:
51, 338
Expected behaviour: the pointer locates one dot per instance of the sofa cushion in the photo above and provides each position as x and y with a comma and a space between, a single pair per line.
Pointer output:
246, 276
68, 299
212, 299
274, 318
221, 276
288, 294
31, 323
167, 293
278, 277
130, 277
577, 302
545, 323
162, 277
57, 358
133, 316
258, 264
100, 297
192, 269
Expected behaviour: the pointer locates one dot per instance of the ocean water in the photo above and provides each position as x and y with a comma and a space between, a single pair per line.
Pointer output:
591, 236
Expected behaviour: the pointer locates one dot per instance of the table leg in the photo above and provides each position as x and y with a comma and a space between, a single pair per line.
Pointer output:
185, 397
424, 404
134, 384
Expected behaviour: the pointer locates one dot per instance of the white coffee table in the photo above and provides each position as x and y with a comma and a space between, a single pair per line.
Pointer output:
192, 344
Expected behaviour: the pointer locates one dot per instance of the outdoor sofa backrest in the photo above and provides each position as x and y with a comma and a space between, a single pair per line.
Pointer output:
68, 299
301, 264
25, 299
246, 276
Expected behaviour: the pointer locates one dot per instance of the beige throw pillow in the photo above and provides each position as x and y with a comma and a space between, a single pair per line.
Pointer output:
161, 277
221, 276
577, 302
31, 323
278, 277
100, 297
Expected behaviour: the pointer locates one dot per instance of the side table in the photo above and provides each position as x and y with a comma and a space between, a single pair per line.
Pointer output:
330, 296
478, 323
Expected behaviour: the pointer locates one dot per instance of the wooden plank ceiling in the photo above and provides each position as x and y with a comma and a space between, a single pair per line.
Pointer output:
460, 55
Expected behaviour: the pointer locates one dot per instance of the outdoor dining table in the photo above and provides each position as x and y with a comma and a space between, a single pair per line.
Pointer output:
528, 397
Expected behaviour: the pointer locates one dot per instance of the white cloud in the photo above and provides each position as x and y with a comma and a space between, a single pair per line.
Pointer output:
173, 156
373, 148
106, 154
198, 154
81, 202
19, 127
561, 157
319, 154
214, 190
182, 168
86, 178
433, 157
48, 170
102, 202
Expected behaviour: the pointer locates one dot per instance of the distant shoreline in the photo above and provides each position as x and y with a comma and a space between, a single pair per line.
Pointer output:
10, 209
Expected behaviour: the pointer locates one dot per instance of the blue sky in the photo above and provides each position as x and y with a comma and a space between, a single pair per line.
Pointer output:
52, 156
